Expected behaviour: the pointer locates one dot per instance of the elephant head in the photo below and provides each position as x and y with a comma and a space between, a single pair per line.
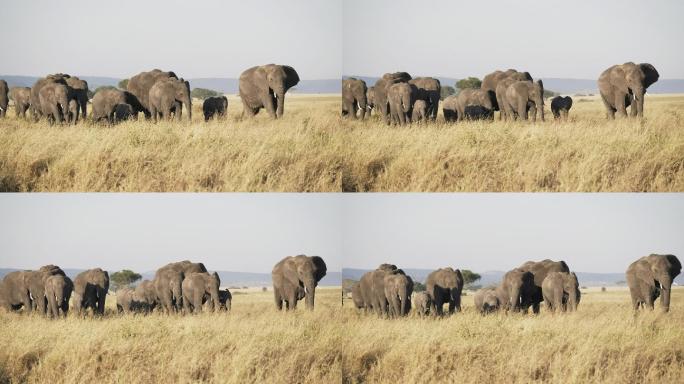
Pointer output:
658, 271
301, 273
637, 78
211, 286
517, 285
354, 97
182, 89
571, 287
279, 79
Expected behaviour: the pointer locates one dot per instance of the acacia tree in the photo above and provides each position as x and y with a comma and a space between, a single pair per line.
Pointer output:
469, 277
123, 279
470, 82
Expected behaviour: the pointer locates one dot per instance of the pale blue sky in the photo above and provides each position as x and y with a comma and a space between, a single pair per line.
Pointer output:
204, 38
551, 38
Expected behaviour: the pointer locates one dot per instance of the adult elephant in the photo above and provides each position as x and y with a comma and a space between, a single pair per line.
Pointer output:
14, 292
624, 85
79, 89
140, 85
354, 98
398, 290
470, 96
22, 100
373, 288
58, 289
90, 290
36, 284
560, 107
381, 88
539, 271
296, 278
561, 291
168, 281
357, 297
516, 289
491, 81
106, 101
215, 106
370, 100
54, 99
449, 108
197, 287
489, 299
401, 97
651, 276
168, 96
505, 110
265, 87
146, 292
429, 90
35, 107
444, 286
524, 96
4, 98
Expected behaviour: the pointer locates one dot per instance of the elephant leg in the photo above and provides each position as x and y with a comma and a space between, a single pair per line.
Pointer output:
101, 297
610, 111
533, 112
535, 307
270, 104
278, 300
452, 306
620, 105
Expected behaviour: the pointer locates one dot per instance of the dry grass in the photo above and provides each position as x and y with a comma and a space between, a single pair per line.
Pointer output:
313, 149
253, 343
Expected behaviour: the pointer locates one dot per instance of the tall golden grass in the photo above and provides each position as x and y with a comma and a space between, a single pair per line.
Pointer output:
313, 149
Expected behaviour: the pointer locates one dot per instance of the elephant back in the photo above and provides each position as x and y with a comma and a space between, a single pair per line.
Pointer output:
140, 84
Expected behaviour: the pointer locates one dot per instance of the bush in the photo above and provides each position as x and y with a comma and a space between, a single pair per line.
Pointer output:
418, 287
548, 93
446, 91
123, 278
470, 82
123, 84
201, 93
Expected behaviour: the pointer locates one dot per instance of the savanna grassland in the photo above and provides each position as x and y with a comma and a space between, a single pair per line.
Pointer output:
313, 149
252, 343
603, 342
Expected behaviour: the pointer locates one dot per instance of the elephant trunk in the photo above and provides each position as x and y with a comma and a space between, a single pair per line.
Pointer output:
665, 288
572, 301
404, 301
406, 103
310, 287
188, 105
540, 107
515, 299
363, 106
280, 100
639, 101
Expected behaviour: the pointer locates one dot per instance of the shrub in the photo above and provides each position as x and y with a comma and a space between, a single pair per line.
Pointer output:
202, 93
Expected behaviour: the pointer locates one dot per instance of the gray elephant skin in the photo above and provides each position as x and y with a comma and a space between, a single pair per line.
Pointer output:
22, 100
381, 88
477, 112
90, 291
141, 84
651, 276
473, 97
4, 98
370, 100
129, 301
265, 87
58, 289
560, 107
429, 90
55, 101
625, 85
489, 299
354, 98
444, 286
357, 297
148, 294
398, 290
216, 106
168, 282
169, 96
401, 97
26, 289
516, 290
372, 285
450, 109
523, 97
539, 271
295, 278
79, 91
561, 291
422, 303
199, 287
491, 81
419, 111
106, 103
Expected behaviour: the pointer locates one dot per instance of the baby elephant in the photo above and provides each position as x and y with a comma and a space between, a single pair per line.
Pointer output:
422, 303
477, 112
560, 106
123, 112
224, 304
487, 300
127, 300
215, 106
419, 111
22, 100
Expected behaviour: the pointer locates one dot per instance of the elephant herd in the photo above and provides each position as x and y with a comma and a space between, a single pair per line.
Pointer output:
388, 291
156, 94
400, 99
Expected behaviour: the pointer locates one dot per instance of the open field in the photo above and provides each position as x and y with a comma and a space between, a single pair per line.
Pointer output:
313, 149
252, 343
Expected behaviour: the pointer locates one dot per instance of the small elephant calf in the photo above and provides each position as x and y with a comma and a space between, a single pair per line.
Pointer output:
422, 303
477, 112
122, 112
419, 111
560, 106
215, 106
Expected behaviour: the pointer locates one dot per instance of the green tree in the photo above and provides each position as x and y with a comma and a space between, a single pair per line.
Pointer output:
549, 93
446, 91
123, 278
418, 287
470, 82
123, 84
201, 93
469, 277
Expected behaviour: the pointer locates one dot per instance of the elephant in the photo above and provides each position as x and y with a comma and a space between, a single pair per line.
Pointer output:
225, 300
22, 100
491, 81
444, 286
429, 90
422, 302
560, 106
107, 101
128, 300
166, 97
489, 299
381, 88
168, 281
14, 292
148, 294
478, 112
516, 289
398, 290
401, 97
265, 87
357, 297
370, 100
58, 289
123, 112
539, 271
198, 284
354, 98
80, 93
419, 112
141, 84
624, 85
4, 99
472, 96
522, 96
215, 106
373, 288
651, 276
90, 291
449, 108
54, 99
295, 278
561, 291
36, 285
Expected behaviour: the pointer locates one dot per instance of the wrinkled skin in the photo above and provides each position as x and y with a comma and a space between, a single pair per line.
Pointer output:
37, 281
560, 106
58, 289
14, 291
505, 110
54, 101
146, 292
491, 81
140, 85
398, 290
4, 98
419, 112
381, 88
444, 286
401, 97
561, 291
429, 90
422, 303
296, 278
197, 286
22, 100
90, 291
128, 301
168, 282
215, 106
489, 299
651, 276
79, 89
471, 96
370, 100
106, 101
265, 87
624, 85
35, 107
539, 270
373, 288
354, 98
524, 96
515, 290
357, 297
168, 96
477, 112
449, 108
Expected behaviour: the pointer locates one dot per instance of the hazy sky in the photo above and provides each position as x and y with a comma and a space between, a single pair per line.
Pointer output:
591, 232
577, 39
206, 38
229, 232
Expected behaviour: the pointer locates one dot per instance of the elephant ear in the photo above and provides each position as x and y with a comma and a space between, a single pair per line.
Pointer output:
650, 74
568, 100
319, 266
291, 77
676, 265
216, 276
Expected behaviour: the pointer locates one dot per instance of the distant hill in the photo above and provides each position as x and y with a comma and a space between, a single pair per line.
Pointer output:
228, 278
